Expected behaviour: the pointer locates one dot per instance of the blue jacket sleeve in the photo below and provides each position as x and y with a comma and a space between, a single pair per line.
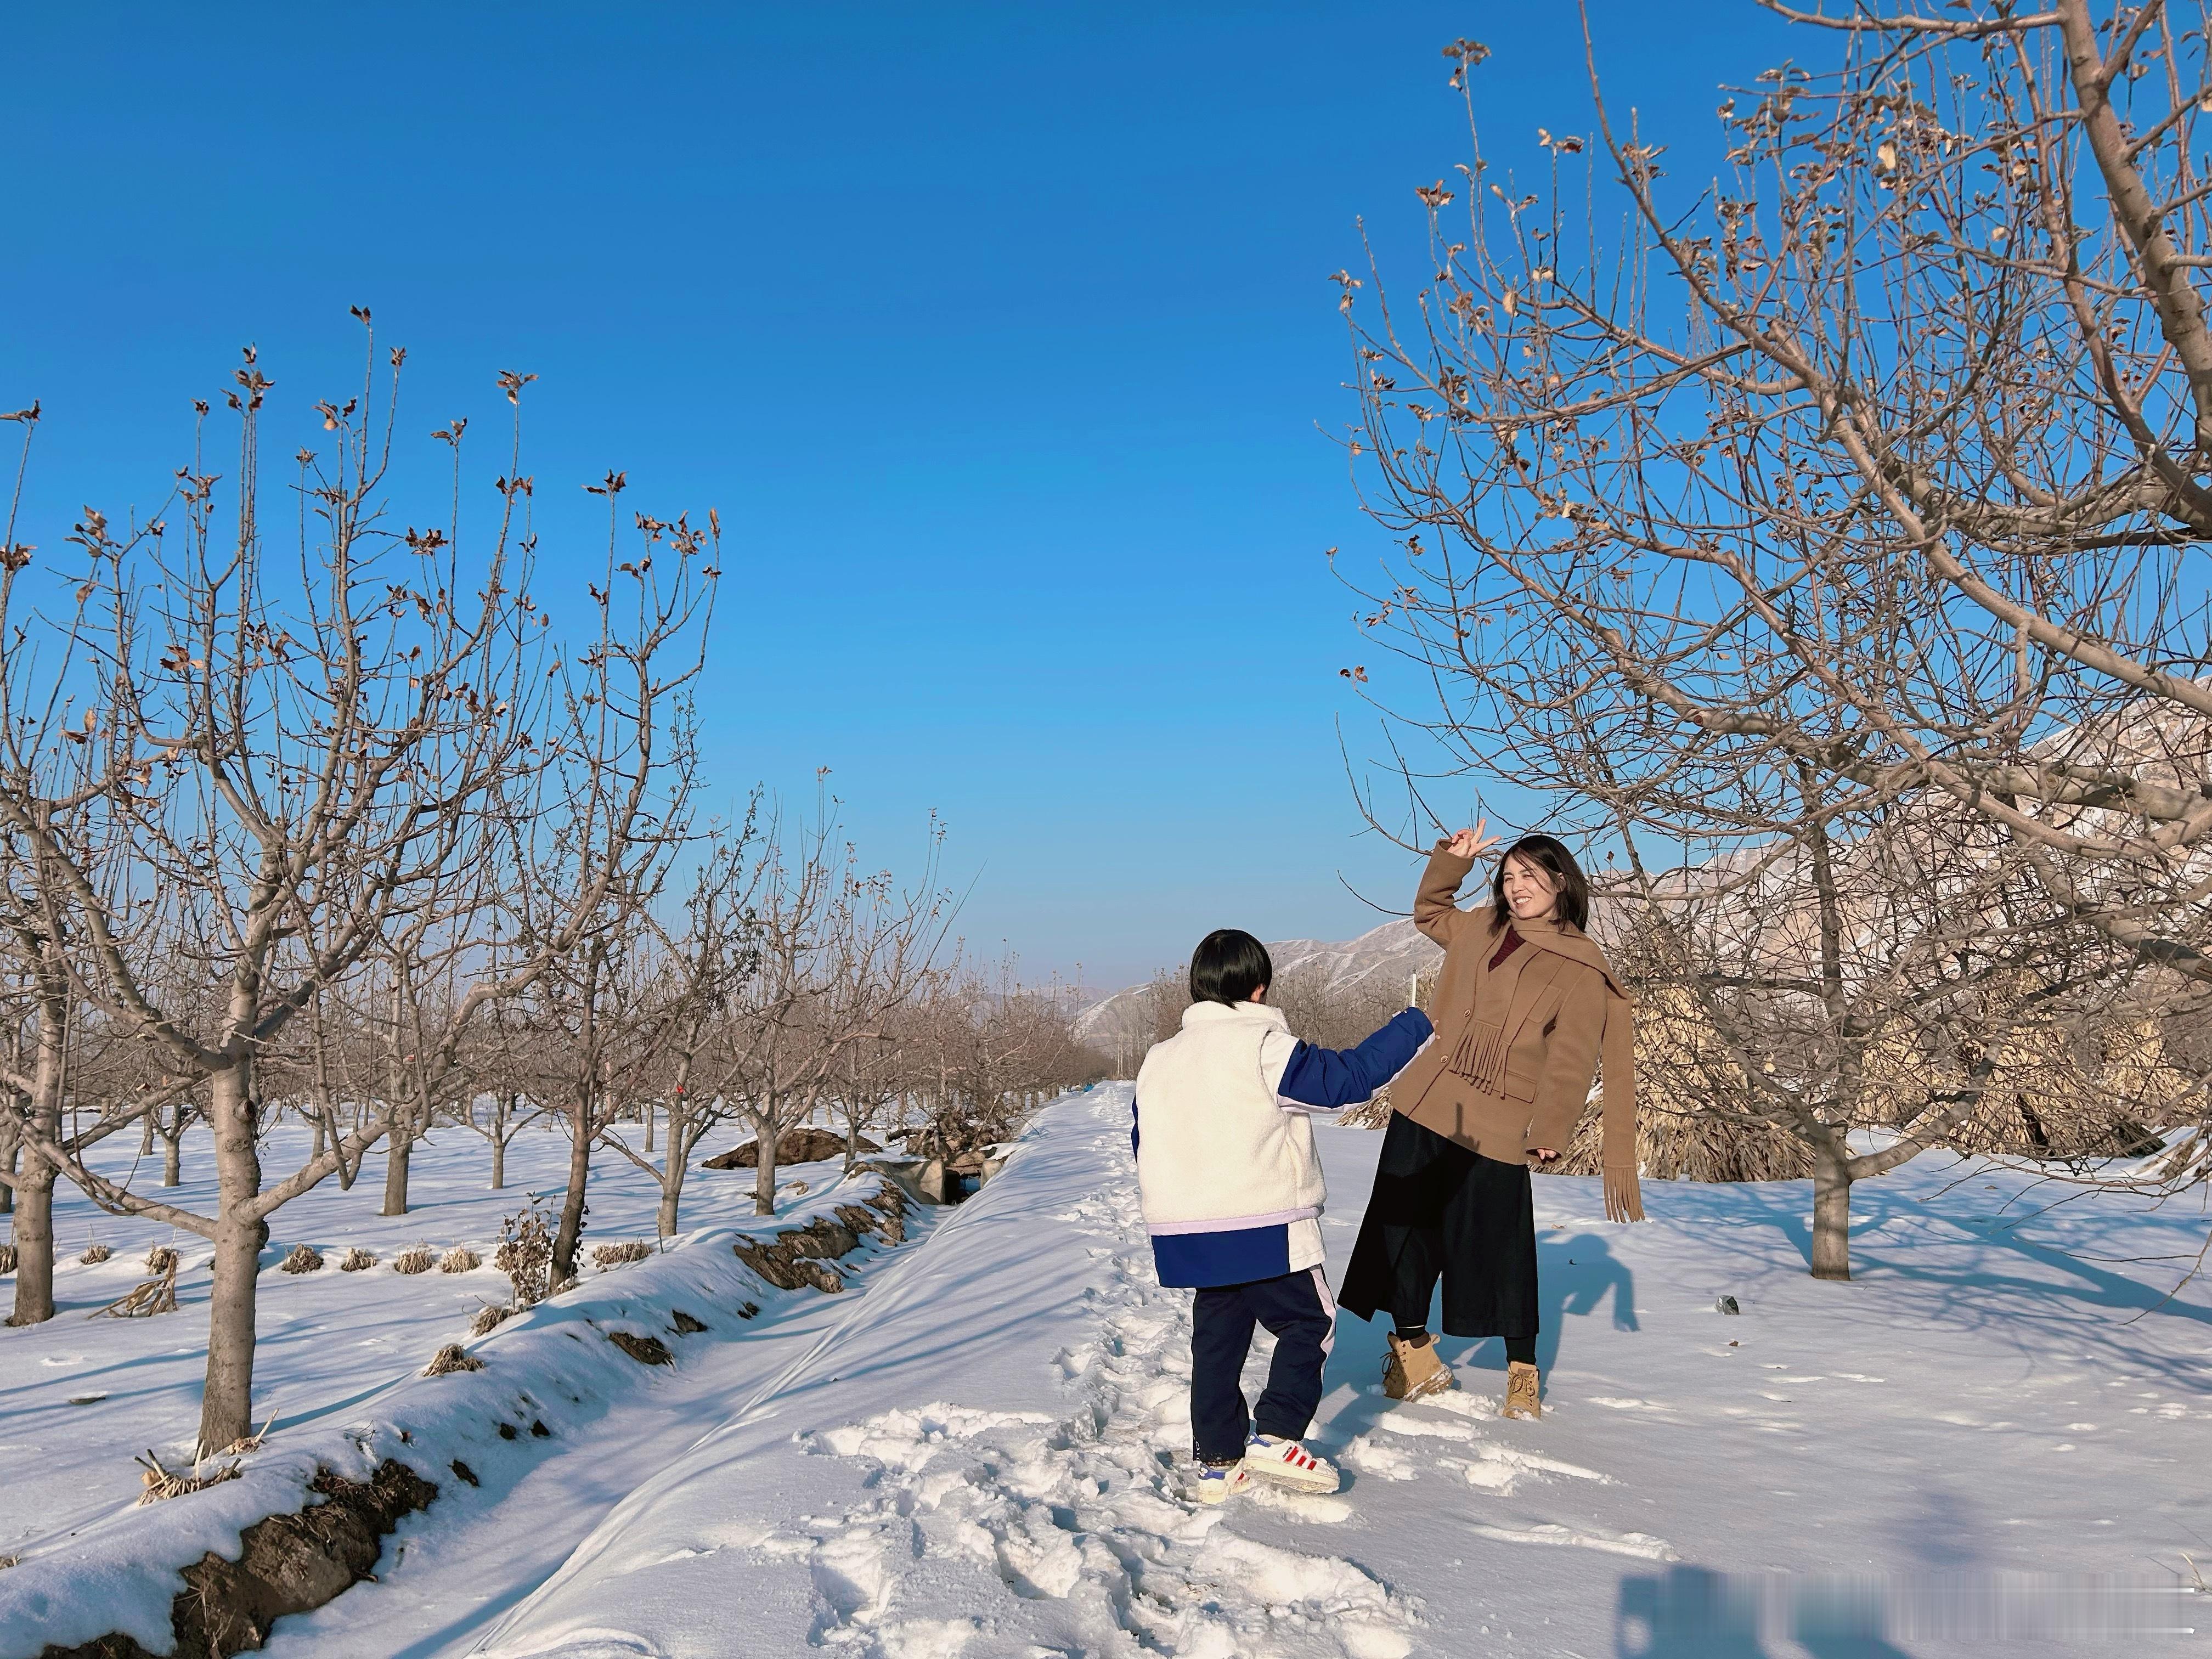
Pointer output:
1327, 1079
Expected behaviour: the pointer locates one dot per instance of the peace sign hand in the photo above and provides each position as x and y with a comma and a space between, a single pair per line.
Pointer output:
1473, 843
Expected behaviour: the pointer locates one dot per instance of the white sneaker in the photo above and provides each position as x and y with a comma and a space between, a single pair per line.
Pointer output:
1290, 1464
1217, 1483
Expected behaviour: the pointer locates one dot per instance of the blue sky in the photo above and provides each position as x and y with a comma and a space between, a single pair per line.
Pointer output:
999, 336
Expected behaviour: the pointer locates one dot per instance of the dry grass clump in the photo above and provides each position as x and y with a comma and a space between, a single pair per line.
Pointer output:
154, 1296
94, 1254
613, 1255
303, 1259
450, 1358
489, 1320
1675, 1143
415, 1259
7, 1258
355, 1260
160, 1258
1374, 1114
8, 1561
526, 1254
460, 1259
161, 1483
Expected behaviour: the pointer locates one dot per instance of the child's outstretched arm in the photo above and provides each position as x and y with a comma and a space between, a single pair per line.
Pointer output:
1326, 1079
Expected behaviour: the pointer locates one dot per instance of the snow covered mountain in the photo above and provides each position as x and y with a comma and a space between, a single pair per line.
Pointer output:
1395, 950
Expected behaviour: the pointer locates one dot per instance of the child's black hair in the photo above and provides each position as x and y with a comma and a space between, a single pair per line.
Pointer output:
1228, 966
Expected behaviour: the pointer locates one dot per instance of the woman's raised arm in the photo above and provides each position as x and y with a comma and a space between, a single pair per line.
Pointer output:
1434, 912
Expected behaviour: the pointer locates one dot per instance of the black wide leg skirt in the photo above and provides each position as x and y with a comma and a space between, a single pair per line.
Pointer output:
1439, 1210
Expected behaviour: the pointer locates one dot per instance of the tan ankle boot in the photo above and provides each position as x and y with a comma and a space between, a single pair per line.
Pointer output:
1414, 1371
1524, 1384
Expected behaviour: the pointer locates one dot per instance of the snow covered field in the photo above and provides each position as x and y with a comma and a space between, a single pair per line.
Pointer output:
340, 1352
980, 1453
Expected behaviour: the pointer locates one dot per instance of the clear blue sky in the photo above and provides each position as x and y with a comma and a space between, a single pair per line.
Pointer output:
999, 335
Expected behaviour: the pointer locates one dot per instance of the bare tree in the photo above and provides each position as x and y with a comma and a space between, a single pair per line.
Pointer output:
837, 953
588, 854
877, 1074
701, 965
1866, 478
590, 1011
274, 773
502, 1106
35, 1090
169, 1127
986, 1048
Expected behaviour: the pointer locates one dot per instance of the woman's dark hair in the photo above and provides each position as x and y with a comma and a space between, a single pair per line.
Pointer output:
1551, 856
1228, 966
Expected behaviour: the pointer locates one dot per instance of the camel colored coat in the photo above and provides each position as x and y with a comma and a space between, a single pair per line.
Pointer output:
1517, 1045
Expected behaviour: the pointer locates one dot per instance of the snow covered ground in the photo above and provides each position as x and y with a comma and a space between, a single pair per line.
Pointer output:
982, 1453
984, 1457
338, 1359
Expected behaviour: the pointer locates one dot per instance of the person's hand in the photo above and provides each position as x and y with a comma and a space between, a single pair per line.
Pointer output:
1544, 1154
1473, 843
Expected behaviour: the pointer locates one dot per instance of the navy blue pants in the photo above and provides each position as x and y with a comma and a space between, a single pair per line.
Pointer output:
1298, 1308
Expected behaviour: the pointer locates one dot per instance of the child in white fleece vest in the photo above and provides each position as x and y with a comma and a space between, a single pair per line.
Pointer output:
1232, 1195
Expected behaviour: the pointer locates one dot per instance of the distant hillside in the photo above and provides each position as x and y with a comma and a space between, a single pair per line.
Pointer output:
1395, 950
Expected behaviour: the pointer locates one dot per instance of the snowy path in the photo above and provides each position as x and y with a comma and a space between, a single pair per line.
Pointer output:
983, 1458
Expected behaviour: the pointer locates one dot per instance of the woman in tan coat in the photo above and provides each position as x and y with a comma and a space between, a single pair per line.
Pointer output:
1524, 1009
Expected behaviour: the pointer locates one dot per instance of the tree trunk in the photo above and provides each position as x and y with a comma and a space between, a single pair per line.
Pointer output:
173, 1158
399, 1148
649, 1116
675, 1160
146, 1135
1831, 1215
322, 1139
34, 1200
499, 1163
226, 1404
34, 1242
571, 1201
764, 1177
9, 1151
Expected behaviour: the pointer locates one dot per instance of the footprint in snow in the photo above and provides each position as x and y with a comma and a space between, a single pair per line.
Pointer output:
1080, 1529
1076, 1533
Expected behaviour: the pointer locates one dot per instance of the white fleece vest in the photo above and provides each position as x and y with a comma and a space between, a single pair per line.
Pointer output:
1216, 1151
